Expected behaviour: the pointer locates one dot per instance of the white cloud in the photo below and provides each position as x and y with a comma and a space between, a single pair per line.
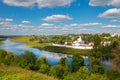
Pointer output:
9, 19
40, 3
57, 18
104, 2
111, 13
25, 22
47, 25
6, 21
115, 20
91, 24
111, 26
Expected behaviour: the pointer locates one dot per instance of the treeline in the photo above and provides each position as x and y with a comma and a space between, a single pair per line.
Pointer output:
77, 70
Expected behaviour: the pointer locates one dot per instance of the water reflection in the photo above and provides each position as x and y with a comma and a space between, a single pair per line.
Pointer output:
53, 58
19, 48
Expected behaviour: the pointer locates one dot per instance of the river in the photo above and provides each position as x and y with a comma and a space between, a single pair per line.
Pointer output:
53, 58
19, 48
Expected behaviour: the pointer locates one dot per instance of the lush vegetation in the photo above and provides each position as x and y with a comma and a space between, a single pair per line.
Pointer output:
16, 73
1, 43
10, 63
33, 41
77, 70
1, 39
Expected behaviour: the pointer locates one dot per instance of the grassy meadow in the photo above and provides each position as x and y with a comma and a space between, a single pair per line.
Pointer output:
16, 73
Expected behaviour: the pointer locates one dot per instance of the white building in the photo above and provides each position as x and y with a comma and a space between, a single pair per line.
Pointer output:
79, 44
115, 34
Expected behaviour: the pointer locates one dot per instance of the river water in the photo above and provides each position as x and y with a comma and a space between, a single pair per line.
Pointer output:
53, 58
19, 48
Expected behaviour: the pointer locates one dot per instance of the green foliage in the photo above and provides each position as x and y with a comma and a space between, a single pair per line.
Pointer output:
77, 62
64, 62
96, 40
66, 50
97, 77
9, 58
81, 74
57, 71
15, 73
28, 60
60, 70
43, 65
116, 58
3, 53
84, 74
113, 74
1, 43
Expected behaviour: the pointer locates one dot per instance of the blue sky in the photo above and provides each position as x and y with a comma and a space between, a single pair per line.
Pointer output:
51, 17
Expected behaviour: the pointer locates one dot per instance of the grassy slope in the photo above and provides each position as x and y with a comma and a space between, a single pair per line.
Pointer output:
49, 47
1, 43
15, 73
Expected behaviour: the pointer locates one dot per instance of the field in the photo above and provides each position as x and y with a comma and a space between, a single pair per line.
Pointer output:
15, 73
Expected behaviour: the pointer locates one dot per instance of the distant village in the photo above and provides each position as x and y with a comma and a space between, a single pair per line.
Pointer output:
80, 44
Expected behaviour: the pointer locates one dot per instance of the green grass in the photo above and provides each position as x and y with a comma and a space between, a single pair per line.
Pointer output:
66, 50
15, 73
49, 47
1, 43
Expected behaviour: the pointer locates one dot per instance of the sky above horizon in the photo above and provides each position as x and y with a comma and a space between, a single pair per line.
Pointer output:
53, 17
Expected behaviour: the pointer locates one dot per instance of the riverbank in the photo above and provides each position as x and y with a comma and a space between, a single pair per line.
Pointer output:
49, 47
1, 43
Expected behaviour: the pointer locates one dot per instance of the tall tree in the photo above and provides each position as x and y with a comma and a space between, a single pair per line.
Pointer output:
64, 62
77, 62
57, 71
43, 65
28, 60
95, 56
116, 58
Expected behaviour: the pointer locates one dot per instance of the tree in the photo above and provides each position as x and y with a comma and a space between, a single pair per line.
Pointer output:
57, 71
116, 58
97, 77
95, 56
81, 74
77, 62
43, 65
95, 62
113, 74
64, 63
28, 60
11, 59
44, 68
3, 53
97, 41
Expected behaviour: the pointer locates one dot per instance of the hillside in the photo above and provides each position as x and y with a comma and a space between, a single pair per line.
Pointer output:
15, 73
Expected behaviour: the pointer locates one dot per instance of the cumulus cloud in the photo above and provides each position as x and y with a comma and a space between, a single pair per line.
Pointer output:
111, 13
91, 24
9, 19
6, 21
115, 20
25, 22
40, 3
111, 26
57, 18
104, 2
47, 25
